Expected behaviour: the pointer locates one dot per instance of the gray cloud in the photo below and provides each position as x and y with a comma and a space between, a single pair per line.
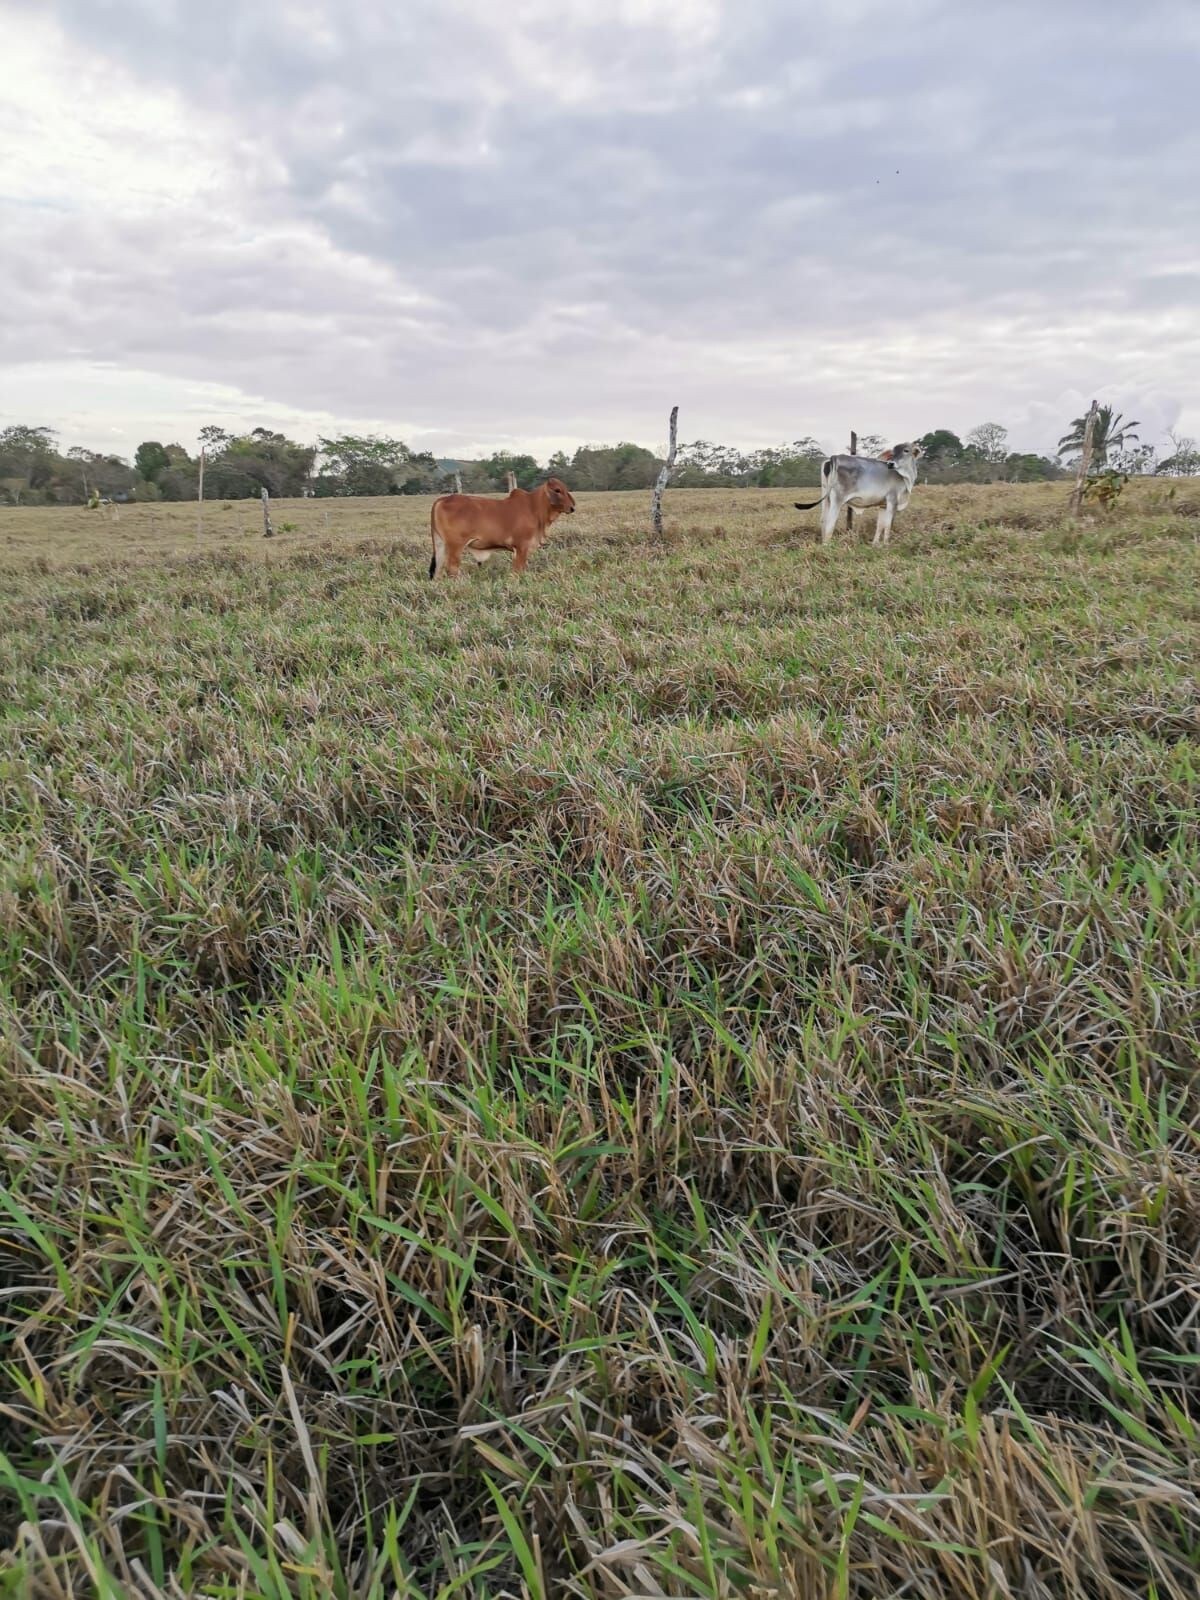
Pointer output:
552, 219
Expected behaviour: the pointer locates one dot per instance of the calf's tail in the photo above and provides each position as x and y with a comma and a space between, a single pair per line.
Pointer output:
826, 474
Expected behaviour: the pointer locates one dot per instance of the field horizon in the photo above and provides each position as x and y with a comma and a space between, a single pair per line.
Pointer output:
672, 1075
69, 535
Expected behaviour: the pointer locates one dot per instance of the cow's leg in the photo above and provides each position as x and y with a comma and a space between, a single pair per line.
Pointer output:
520, 558
453, 563
830, 512
883, 523
439, 556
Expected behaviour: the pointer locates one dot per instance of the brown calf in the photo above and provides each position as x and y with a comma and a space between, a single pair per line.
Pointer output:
480, 526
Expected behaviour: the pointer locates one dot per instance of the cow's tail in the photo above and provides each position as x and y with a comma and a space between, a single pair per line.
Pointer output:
433, 539
826, 474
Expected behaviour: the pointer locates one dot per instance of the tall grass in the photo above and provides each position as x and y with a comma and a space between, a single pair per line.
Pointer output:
671, 1076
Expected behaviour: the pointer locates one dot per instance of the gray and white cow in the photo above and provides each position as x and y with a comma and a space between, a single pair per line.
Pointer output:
866, 482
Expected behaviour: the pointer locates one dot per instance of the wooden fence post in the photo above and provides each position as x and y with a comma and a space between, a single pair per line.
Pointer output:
512, 481
656, 522
1085, 459
458, 483
200, 497
268, 530
850, 509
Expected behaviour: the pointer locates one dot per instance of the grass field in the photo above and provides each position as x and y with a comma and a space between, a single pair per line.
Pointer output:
675, 1075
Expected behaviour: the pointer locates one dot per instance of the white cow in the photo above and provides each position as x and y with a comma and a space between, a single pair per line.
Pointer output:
863, 481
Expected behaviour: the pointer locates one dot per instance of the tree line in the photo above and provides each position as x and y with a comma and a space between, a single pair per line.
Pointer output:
34, 471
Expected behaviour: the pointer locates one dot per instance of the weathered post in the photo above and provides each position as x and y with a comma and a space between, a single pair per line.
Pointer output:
268, 530
1085, 459
458, 483
850, 509
200, 497
512, 481
656, 522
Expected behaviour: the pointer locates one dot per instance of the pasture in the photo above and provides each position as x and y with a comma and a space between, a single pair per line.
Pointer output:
673, 1075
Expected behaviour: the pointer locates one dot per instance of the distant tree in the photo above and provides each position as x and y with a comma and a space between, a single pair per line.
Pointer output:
801, 464
24, 440
181, 478
617, 466
524, 468
871, 444
629, 466
214, 440
787, 466
1136, 461
558, 465
105, 475
423, 476
150, 459
942, 448
29, 460
1020, 468
365, 464
261, 460
703, 463
1184, 460
988, 441
476, 478
1108, 437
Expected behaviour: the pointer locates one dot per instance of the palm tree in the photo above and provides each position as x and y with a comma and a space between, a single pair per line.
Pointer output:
1110, 433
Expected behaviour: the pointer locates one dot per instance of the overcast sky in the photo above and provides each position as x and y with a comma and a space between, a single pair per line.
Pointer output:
485, 224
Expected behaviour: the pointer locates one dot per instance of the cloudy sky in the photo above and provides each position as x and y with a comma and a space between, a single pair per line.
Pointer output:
486, 224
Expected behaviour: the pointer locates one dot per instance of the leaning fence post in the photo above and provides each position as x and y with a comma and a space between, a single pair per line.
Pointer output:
458, 483
1085, 459
200, 497
656, 522
512, 481
268, 531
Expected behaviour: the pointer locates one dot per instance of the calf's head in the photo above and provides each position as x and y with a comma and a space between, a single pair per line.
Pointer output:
559, 496
903, 458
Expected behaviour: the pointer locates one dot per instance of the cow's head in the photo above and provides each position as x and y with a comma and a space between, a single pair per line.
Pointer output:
904, 458
560, 497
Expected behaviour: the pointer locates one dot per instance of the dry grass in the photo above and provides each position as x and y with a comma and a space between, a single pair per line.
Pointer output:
675, 1076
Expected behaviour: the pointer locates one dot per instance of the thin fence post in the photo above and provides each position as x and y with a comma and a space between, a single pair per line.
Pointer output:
200, 497
268, 530
850, 509
656, 521
1085, 459
458, 483
512, 481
